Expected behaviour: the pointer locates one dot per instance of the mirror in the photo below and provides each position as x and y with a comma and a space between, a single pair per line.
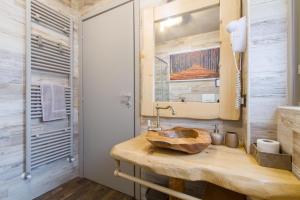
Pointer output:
187, 56
187, 60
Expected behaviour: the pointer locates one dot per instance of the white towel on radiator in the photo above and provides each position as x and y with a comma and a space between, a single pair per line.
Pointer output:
53, 102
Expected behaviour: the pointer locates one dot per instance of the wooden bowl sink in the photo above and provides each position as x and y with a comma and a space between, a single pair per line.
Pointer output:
189, 140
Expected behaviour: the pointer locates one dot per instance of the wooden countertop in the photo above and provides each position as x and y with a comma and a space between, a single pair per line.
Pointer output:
230, 168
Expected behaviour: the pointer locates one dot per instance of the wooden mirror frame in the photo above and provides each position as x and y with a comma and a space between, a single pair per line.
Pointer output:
225, 109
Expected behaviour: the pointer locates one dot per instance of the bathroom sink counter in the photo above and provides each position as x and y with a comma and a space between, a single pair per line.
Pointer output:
230, 168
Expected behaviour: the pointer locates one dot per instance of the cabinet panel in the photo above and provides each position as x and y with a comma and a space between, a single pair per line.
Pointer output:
229, 10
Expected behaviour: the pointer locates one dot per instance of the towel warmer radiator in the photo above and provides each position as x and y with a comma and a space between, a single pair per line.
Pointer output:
48, 56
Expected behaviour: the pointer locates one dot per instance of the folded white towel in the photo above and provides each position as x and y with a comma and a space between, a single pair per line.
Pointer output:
53, 102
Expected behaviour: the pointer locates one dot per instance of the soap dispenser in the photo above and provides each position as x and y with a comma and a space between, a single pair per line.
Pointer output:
217, 137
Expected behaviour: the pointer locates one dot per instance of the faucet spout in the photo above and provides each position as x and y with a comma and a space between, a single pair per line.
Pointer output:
158, 108
173, 110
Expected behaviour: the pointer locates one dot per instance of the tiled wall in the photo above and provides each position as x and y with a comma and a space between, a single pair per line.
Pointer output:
12, 108
267, 66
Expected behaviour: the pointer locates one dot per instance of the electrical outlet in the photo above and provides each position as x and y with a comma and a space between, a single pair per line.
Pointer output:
217, 82
208, 98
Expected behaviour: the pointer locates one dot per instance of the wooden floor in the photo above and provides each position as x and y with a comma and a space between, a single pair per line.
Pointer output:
83, 189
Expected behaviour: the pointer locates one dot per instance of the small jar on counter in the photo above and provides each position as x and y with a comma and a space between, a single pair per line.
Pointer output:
231, 139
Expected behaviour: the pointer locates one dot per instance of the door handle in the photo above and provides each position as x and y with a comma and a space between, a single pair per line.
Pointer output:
126, 99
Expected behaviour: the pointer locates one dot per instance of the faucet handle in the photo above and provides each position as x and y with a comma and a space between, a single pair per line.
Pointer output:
149, 123
151, 127
173, 110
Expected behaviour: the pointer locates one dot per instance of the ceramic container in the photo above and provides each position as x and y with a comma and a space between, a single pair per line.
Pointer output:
231, 139
217, 138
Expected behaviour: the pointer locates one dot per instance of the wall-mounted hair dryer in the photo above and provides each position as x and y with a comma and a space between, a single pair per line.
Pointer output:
238, 34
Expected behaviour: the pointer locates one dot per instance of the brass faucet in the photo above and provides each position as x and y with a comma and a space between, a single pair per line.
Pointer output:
157, 114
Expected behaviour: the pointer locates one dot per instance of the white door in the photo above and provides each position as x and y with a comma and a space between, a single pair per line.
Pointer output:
108, 92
